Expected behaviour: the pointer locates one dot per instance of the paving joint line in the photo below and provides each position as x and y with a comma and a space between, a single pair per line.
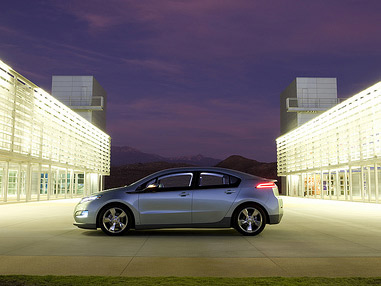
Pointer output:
133, 257
266, 256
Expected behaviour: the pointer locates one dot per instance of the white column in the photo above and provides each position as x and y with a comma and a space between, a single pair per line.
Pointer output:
300, 189
321, 184
369, 185
39, 182
315, 185
345, 184
28, 182
57, 179
362, 189
376, 181
76, 183
329, 185
71, 182
307, 186
18, 182
65, 182
50, 180
85, 184
338, 187
350, 184
5, 181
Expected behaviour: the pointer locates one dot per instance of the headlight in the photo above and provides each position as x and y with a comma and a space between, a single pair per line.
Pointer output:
82, 214
89, 199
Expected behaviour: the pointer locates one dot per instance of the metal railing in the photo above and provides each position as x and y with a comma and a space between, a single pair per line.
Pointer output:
311, 104
79, 103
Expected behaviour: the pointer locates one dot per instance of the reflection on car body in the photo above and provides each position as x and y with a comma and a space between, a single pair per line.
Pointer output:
185, 197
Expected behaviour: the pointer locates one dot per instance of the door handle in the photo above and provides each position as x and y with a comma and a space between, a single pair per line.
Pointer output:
184, 194
229, 192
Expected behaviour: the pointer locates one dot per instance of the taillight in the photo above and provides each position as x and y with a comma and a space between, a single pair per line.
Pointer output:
268, 185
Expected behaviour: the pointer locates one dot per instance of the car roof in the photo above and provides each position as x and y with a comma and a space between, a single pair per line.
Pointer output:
239, 174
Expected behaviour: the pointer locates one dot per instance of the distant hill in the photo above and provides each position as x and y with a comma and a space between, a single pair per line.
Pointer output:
197, 160
129, 173
261, 169
127, 155
125, 175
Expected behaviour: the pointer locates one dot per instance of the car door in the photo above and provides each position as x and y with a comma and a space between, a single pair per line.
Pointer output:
168, 202
213, 197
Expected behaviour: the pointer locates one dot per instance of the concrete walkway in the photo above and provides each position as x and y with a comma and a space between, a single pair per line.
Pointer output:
170, 266
315, 238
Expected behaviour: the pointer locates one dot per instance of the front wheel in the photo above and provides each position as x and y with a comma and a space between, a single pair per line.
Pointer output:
250, 220
114, 220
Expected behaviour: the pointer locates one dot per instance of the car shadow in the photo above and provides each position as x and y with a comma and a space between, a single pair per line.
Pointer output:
171, 232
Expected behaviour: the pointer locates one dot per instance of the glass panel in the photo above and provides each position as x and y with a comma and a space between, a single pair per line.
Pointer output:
80, 183
44, 183
176, 181
12, 183
212, 179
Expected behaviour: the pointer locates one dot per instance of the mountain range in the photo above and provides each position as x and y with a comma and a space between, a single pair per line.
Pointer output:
129, 165
127, 155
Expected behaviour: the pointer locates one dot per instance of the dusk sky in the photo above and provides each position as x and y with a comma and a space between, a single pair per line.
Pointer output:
198, 76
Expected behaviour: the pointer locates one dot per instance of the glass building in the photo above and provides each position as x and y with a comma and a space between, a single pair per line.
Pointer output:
337, 154
47, 150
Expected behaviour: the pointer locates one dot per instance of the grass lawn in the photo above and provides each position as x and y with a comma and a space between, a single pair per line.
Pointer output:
18, 280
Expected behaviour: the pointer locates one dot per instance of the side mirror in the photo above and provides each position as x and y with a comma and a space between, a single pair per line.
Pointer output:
153, 186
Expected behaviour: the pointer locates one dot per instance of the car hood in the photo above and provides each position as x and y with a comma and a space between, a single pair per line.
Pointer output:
119, 189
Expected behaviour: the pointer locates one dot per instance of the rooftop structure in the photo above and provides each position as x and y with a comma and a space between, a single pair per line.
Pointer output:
84, 95
304, 99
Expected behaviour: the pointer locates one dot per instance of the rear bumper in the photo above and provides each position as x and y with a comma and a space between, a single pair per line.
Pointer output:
85, 225
275, 219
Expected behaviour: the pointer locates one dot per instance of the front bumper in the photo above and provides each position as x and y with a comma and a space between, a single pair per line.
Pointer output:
85, 225
84, 216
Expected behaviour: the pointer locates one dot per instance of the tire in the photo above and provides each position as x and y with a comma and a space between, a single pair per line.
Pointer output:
115, 220
249, 219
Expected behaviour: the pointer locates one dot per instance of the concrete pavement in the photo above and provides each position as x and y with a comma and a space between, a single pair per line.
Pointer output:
315, 238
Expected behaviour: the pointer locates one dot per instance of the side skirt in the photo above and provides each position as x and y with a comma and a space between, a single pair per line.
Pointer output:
224, 223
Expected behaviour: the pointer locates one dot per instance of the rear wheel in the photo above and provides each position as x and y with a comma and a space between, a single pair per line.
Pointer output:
115, 220
250, 220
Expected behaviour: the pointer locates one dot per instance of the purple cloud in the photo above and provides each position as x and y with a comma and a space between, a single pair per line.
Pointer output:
176, 126
200, 76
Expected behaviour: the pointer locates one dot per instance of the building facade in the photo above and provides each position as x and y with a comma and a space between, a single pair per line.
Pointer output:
337, 154
47, 150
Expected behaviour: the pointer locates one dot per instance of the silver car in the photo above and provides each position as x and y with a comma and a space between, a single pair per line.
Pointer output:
185, 197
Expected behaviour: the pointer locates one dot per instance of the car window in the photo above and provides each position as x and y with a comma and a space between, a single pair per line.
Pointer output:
179, 180
234, 181
216, 180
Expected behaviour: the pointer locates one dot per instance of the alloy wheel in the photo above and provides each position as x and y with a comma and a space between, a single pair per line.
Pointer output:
115, 220
250, 220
